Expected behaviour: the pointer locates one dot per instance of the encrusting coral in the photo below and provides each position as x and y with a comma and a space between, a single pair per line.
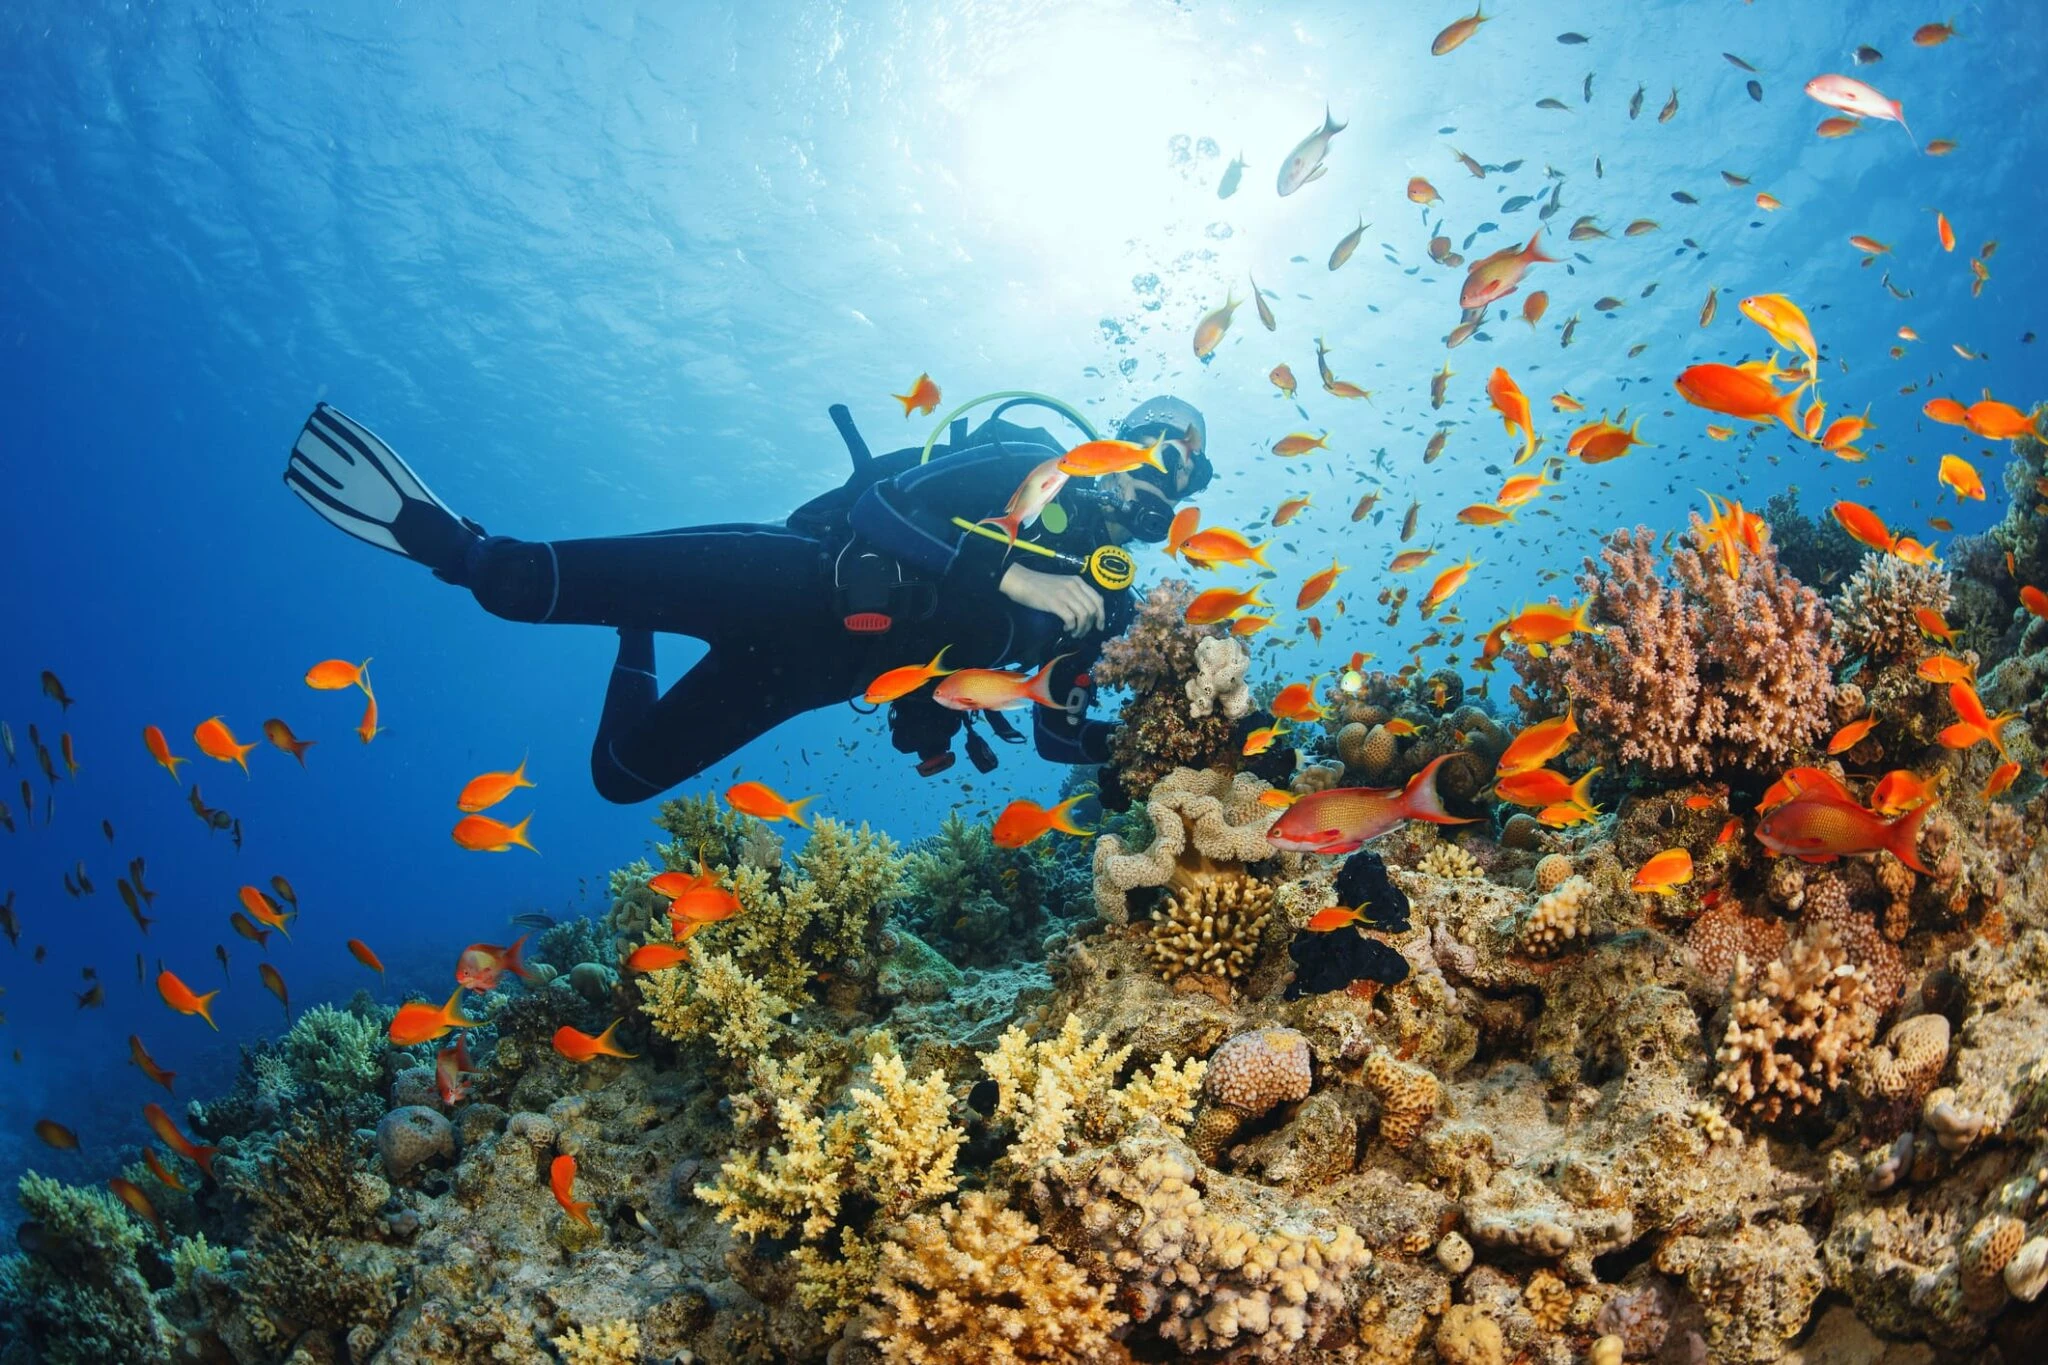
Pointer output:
1703, 675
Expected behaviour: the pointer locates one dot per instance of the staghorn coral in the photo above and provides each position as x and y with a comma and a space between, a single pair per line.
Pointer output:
1873, 611
1700, 675
1156, 660
1199, 819
76, 1297
1063, 1091
975, 1284
614, 1343
1792, 1036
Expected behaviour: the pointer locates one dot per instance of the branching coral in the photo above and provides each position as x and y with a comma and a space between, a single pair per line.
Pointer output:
1064, 1091
977, 899
710, 997
335, 1052
1156, 660
976, 1285
1873, 611
78, 1299
893, 1144
1558, 919
613, 1343
1209, 925
1702, 675
1792, 1036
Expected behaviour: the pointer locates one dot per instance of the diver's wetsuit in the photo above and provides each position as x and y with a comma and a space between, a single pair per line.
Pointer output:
763, 598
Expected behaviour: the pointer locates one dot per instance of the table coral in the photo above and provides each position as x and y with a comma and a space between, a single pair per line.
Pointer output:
1702, 674
975, 1284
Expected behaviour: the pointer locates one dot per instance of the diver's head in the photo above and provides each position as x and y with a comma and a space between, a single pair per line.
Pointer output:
1142, 500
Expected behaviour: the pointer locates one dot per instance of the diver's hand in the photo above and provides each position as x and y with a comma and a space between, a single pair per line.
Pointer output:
1077, 605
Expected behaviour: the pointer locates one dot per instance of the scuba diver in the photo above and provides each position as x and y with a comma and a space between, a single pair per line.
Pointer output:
884, 571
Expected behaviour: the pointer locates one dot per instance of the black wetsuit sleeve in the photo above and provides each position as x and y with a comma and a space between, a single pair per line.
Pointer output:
1067, 735
910, 517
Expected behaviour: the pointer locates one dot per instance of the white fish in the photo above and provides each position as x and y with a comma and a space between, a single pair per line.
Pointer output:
1231, 174
1852, 96
1040, 487
1305, 162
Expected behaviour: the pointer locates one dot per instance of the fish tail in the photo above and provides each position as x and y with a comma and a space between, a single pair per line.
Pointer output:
1902, 837
1258, 554
1039, 689
1582, 786
909, 401
1330, 125
933, 667
203, 1158
513, 964
1420, 800
609, 1046
1061, 816
451, 1013
517, 835
796, 811
519, 773
1533, 252
203, 1007
171, 762
1011, 523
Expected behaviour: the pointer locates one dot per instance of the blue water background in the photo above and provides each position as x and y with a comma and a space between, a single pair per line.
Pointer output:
601, 268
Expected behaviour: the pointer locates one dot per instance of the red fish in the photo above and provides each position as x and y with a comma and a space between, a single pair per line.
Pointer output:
923, 396
162, 1172
579, 1046
139, 1055
898, 683
1024, 821
360, 951
1818, 827
1342, 819
482, 964
1664, 873
419, 1022
657, 957
162, 1125
56, 1135
450, 1065
1039, 488
160, 750
1495, 277
562, 1180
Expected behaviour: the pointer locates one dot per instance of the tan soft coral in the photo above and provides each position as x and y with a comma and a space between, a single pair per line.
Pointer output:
1063, 1091
974, 1284
1699, 673
1204, 824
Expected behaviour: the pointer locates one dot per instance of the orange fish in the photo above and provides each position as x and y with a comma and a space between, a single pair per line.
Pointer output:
1215, 605
162, 1172
1513, 406
264, 909
1946, 233
1818, 827
1838, 126
1336, 917
1031, 498
1538, 744
996, 689
182, 998
1960, 477
246, 927
483, 965
334, 674
273, 980
1601, 441
1740, 393
2001, 778
1946, 410
139, 1055
1730, 830
1933, 35
280, 735
1409, 559
1289, 510
160, 750
562, 1180
1096, 459
1550, 624
657, 957
482, 834
1277, 799
1484, 514
1261, 739
1869, 244
1420, 191
1297, 702
130, 1194
2034, 600
57, 1135
1664, 873
1185, 523
1209, 332
419, 1022
166, 1130
760, 801
1944, 669
1899, 791
369, 729
1402, 729
898, 683
1851, 735
1843, 431
1564, 402
1996, 421
1542, 787
216, 741
1799, 781
1970, 707
1522, 488
1940, 146
488, 789
360, 951
1249, 625
1455, 33
923, 396
579, 1046
1342, 819
1495, 277
1221, 545
1282, 379
1533, 306
1024, 821
1864, 526
1447, 582
1912, 551
1317, 585
450, 1065
1300, 443
705, 903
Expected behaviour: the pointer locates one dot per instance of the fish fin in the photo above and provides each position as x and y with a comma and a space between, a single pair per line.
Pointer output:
1317, 174
1038, 689
1902, 837
1420, 799
796, 808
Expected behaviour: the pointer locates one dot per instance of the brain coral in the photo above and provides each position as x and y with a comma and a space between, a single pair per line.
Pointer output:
1254, 1071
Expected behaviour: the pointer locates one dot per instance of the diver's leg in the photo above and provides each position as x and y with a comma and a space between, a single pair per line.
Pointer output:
713, 582
645, 746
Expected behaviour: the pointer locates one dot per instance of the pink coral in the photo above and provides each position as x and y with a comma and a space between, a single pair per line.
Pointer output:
1703, 674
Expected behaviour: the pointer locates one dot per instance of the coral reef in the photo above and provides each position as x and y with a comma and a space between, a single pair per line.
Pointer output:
1158, 730
76, 1296
1705, 674
1205, 826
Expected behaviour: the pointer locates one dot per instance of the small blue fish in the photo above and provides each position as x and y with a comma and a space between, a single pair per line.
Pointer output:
1231, 175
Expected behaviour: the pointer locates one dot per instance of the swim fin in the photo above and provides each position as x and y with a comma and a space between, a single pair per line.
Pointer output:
341, 470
